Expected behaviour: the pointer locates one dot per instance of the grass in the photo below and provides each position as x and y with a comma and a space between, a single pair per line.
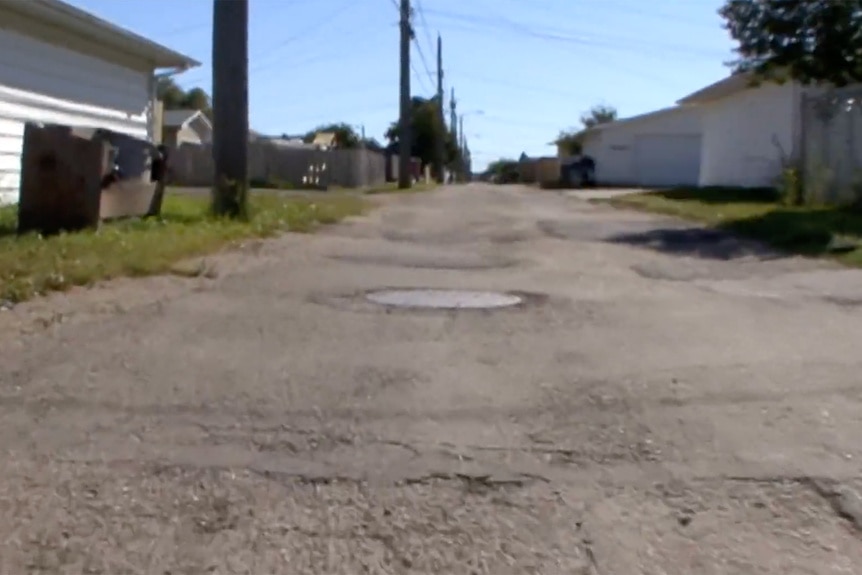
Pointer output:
817, 231
32, 265
392, 188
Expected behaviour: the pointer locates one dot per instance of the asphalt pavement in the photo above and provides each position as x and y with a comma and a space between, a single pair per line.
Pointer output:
647, 397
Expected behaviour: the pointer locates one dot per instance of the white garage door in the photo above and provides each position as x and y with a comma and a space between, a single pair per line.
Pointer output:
43, 82
663, 160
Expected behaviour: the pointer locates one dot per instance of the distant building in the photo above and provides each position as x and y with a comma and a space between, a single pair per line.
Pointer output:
181, 127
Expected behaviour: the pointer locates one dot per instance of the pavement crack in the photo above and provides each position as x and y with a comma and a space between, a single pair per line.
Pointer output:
476, 482
845, 502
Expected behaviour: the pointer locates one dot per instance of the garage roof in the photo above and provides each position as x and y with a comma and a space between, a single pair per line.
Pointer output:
638, 118
65, 16
725, 87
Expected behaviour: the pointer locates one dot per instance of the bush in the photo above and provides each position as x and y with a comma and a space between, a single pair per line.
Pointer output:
790, 187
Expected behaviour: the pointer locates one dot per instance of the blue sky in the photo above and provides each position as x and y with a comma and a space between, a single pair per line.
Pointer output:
530, 68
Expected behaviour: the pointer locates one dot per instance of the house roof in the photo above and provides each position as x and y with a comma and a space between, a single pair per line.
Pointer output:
639, 118
725, 87
324, 139
181, 118
63, 15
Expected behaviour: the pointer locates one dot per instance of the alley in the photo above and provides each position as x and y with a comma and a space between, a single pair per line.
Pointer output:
663, 400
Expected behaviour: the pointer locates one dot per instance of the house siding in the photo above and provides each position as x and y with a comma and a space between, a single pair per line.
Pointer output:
45, 82
614, 148
176, 137
748, 135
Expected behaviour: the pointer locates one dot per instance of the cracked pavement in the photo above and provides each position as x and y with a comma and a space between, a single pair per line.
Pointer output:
667, 401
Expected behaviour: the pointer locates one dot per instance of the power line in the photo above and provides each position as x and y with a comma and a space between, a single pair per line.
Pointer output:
475, 22
267, 62
418, 10
424, 24
293, 65
420, 77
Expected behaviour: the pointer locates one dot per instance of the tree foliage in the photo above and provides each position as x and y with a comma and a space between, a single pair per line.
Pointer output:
504, 170
807, 40
426, 129
600, 114
176, 98
572, 139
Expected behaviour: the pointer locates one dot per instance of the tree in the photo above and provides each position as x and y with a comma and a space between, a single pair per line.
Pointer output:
175, 98
571, 140
810, 41
503, 170
425, 127
600, 114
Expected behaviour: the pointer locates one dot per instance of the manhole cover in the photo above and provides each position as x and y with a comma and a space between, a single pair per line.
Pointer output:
443, 299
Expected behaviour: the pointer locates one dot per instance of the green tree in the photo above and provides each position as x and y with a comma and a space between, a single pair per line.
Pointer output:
600, 114
426, 129
807, 40
572, 139
175, 98
504, 170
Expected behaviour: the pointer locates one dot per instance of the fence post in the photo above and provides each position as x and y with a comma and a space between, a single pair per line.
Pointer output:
803, 146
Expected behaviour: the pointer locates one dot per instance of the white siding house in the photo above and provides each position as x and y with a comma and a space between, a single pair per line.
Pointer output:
657, 149
59, 64
748, 130
186, 127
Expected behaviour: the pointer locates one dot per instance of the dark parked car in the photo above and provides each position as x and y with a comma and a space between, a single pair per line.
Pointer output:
580, 172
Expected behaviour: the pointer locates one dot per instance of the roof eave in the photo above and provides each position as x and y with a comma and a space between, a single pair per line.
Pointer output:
721, 89
66, 16
203, 117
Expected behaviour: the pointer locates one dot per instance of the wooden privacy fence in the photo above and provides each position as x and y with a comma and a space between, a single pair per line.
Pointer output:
286, 166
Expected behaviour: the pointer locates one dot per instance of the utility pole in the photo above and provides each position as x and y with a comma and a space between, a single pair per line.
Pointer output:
441, 140
405, 176
453, 115
230, 107
453, 120
462, 151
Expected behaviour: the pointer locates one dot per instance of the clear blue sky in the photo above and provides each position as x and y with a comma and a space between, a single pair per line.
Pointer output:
531, 67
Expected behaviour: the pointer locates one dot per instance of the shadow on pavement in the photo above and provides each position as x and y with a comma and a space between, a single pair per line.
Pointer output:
695, 242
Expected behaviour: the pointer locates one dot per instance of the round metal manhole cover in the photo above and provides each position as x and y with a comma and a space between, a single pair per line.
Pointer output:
443, 299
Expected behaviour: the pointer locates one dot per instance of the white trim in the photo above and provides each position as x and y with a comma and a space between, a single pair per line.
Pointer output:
63, 15
20, 99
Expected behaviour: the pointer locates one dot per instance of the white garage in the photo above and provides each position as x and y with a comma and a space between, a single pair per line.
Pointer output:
659, 149
59, 64
667, 159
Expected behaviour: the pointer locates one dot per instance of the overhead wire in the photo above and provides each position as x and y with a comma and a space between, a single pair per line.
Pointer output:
417, 10
267, 61
475, 22
492, 21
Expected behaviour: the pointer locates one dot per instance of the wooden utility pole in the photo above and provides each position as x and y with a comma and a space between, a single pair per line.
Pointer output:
462, 147
230, 107
405, 136
453, 115
441, 140
453, 122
